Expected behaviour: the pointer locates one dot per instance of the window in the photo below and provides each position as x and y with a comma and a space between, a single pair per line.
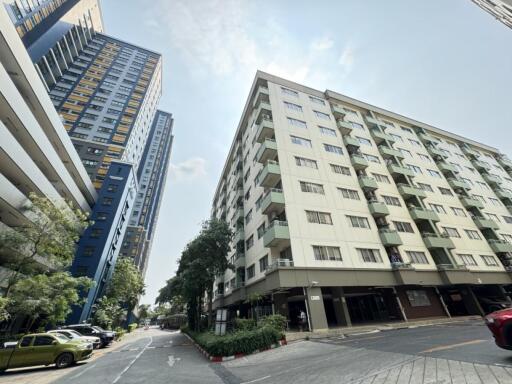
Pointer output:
438, 208
322, 115
107, 201
391, 200
424, 187
414, 143
451, 232
250, 272
249, 242
95, 233
261, 230
405, 129
371, 158
397, 137
301, 141
356, 125
425, 157
369, 255
349, 193
264, 263
414, 168
433, 173
473, 235
26, 341
417, 257
445, 191
319, 217
364, 141
506, 237
316, 100
405, 152
94, 151
89, 163
43, 340
479, 197
88, 251
327, 131
402, 226
494, 201
293, 107
303, 162
458, 212
467, 180
323, 253
101, 216
489, 260
507, 219
340, 169
467, 259
381, 178
112, 188
418, 298
358, 222
333, 149
289, 92
311, 187
248, 217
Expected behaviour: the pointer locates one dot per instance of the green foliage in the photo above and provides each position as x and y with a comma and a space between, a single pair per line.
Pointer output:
239, 342
132, 327
127, 283
244, 324
46, 296
278, 322
120, 332
4, 313
109, 313
144, 311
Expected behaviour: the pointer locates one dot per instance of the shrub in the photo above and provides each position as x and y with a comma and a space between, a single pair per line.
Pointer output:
238, 342
244, 324
278, 322
119, 333
132, 327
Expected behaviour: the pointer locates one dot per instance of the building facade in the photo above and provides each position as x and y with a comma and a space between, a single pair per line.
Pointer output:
354, 214
500, 9
151, 178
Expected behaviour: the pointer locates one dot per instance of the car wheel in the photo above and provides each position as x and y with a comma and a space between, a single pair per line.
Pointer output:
64, 360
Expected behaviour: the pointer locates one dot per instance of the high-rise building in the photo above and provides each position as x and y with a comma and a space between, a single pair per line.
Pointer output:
353, 213
500, 9
151, 178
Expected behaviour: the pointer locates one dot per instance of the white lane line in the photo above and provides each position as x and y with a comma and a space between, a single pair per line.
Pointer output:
133, 361
256, 380
83, 371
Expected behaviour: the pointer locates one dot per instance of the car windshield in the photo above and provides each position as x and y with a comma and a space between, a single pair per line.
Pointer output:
61, 337
99, 329
75, 334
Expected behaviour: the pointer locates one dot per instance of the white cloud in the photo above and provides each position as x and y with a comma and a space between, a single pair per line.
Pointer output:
322, 44
347, 57
188, 170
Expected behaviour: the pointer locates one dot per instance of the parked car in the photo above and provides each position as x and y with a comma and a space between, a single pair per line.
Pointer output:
492, 304
72, 334
500, 324
106, 337
43, 349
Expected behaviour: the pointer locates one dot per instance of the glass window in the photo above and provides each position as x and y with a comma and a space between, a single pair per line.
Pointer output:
250, 272
451, 232
467, 259
364, 141
445, 191
417, 257
458, 212
316, 100
319, 217
311, 187
327, 131
370, 255
340, 169
303, 162
333, 149
289, 92
301, 141
43, 340
321, 115
438, 208
473, 235
402, 226
263, 263
433, 173
323, 253
391, 200
358, 222
381, 178
349, 193
489, 260
424, 187
292, 106
25, 342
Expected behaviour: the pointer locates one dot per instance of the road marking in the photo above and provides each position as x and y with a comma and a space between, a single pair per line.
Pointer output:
133, 361
172, 360
256, 380
450, 346
83, 371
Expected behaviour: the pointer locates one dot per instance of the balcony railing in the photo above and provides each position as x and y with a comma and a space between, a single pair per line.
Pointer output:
280, 263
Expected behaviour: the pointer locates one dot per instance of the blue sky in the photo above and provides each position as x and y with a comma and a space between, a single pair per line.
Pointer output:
446, 63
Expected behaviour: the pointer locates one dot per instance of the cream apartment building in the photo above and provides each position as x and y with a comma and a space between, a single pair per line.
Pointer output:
354, 214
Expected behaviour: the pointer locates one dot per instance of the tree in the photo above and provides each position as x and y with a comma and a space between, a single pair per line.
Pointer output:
171, 293
126, 284
46, 297
109, 313
144, 311
45, 242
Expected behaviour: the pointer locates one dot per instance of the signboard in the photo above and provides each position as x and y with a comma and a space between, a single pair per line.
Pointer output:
220, 321
315, 298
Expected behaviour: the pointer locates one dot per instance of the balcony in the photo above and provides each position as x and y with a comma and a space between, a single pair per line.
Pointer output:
483, 223
374, 123
446, 168
338, 111
238, 214
273, 201
432, 241
265, 130
481, 166
458, 184
380, 136
390, 237
239, 236
396, 169
503, 195
378, 209
436, 152
388, 152
344, 127
492, 180
358, 162
264, 111
469, 202
351, 142
270, 174
500, 246
267, 151
427, 138
261, 94
276, 234
505, 163
239, 260
367, 183
279, 263
408, 191
470, 152
420, 214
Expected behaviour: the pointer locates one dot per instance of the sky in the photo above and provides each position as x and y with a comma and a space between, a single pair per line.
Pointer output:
445, 63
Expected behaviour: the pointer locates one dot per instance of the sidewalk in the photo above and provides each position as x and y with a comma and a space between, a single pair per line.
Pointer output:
377, 327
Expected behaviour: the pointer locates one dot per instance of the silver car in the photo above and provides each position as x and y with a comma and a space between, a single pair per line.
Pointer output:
71, 334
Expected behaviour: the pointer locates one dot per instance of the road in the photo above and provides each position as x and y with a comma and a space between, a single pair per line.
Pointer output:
450, 353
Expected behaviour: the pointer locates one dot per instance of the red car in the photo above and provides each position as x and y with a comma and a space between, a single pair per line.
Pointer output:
500, 324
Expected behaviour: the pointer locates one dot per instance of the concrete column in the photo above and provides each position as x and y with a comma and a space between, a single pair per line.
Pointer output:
341, 308
399, 304
442, 302
471, 302
316, 310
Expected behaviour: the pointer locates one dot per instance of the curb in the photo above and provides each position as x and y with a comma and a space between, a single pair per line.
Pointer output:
221, 359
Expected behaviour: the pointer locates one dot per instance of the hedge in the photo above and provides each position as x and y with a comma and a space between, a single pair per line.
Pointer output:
244, 342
